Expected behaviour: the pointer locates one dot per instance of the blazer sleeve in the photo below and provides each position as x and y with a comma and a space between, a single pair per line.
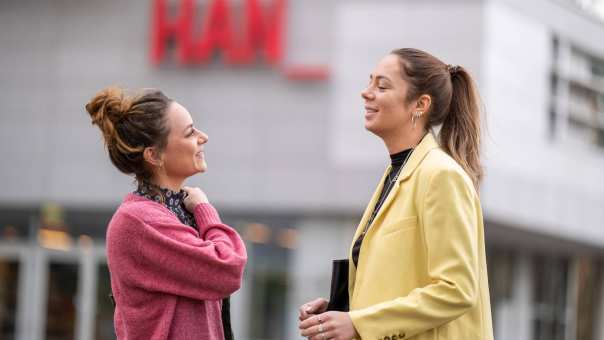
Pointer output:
450, 234
171, 258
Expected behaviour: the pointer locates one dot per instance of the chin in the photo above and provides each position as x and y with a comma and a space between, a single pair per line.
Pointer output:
200, 165
370, 127
375, 130
202, 168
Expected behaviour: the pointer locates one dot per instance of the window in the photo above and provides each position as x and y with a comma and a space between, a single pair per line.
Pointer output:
577, 95
270, 241
104, 329
500, 263
591, 7
61, 308
588, 282
9, 279
550, 294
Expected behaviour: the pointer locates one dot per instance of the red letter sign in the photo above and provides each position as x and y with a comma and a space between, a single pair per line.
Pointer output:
263, 31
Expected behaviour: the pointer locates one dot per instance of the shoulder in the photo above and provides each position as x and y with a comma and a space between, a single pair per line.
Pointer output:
131, 224
439, 169
438, 160
143, 210
145, 220
134, 213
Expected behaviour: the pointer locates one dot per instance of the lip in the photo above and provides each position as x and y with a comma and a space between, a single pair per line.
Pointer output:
200, 154
371, 109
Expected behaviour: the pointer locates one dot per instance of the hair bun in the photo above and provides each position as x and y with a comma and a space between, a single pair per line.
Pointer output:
110, 103
107, 108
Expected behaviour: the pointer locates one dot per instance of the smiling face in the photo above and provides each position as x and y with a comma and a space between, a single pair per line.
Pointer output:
387, 111
183, 155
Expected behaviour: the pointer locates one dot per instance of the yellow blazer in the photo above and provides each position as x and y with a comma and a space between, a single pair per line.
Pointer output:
422, 270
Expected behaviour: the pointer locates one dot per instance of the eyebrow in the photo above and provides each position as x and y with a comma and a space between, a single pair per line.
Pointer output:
190, 126
380, 77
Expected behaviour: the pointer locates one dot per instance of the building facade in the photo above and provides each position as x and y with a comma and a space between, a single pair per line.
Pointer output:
290, 165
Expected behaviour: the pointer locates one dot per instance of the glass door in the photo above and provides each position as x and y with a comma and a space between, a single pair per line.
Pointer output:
9, 284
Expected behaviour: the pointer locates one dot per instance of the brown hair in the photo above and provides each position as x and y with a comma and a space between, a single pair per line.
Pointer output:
129, 124
455, 105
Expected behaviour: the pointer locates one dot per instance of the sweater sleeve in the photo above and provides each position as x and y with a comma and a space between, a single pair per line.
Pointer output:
169, 257
450, 235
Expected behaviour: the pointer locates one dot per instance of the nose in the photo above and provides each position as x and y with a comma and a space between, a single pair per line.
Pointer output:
367, 94
203, 138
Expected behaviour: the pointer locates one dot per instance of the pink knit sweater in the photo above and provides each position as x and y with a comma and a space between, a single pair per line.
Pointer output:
168, 279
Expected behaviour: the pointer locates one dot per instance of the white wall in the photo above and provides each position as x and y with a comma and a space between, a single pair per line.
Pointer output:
531, 181
367, 31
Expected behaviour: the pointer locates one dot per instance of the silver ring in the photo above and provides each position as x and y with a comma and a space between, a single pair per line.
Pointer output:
321, 329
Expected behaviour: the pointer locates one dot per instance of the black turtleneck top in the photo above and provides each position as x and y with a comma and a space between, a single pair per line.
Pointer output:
174, 201
397, 161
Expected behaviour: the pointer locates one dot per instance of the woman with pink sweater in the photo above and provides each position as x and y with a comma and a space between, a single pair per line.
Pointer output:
173, 263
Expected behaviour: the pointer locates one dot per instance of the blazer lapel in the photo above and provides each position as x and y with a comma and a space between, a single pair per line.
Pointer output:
369, 208
419, 153
368, 211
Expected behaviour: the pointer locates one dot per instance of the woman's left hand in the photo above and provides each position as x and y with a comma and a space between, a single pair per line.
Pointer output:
328, 326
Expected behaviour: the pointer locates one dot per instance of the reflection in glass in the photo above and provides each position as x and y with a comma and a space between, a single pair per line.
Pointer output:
62, 292
589, 276
501, 265
269, 285
9, 275
104, 313
550, 293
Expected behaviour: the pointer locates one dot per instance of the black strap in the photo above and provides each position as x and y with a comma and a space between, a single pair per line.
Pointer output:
226, 319
112, 299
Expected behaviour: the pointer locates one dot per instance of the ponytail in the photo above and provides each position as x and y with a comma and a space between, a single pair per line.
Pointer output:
460, 132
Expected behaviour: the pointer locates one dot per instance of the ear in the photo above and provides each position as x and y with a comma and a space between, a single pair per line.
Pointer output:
152, 156
424, 102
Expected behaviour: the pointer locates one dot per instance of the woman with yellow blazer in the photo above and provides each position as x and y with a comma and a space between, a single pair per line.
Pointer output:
417, 263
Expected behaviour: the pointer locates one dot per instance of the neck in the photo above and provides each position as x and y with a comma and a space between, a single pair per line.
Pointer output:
399, 141
168, 183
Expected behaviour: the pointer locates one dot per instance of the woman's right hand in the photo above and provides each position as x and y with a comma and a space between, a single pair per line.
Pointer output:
194, 197
313, 307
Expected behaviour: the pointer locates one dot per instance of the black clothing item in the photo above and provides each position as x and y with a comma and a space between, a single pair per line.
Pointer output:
397, 161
